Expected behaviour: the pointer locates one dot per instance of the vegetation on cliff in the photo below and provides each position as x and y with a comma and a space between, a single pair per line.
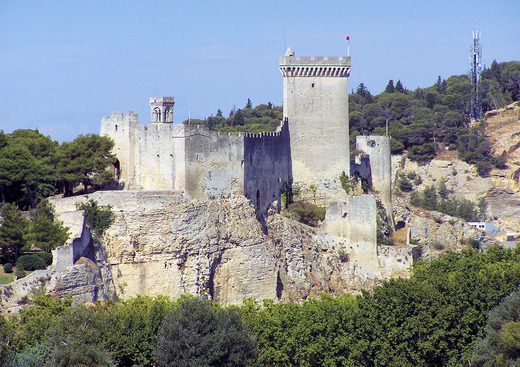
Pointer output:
428, 119
19, 236
435, 318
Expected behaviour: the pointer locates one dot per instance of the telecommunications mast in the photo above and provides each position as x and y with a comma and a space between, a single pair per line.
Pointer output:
474, 74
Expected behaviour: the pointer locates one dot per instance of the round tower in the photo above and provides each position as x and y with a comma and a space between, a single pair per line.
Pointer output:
315, 102
161, 109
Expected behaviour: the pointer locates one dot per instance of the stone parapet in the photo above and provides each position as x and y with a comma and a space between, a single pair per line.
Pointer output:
305, 66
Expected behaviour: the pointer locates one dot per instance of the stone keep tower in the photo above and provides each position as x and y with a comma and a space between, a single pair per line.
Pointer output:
315, 102
162, 109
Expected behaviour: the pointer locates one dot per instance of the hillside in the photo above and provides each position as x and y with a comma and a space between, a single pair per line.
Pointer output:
462, 181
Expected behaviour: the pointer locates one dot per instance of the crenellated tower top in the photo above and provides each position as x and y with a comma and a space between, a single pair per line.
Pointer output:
318, 66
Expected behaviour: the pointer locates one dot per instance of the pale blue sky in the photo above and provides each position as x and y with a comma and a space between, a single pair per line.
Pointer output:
66, 64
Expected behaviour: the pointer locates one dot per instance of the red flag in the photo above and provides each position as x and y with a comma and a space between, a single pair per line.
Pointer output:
348, 38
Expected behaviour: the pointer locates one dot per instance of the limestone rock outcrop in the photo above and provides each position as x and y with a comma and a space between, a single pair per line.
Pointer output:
162, 243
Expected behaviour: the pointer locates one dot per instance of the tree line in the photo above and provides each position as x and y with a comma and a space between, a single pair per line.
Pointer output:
459, 310
423, 121
263, 117
33, 166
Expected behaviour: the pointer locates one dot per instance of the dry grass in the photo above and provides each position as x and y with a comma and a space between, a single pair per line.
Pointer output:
399, 237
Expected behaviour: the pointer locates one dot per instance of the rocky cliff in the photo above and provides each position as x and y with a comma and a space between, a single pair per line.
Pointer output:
162, 243
500, 189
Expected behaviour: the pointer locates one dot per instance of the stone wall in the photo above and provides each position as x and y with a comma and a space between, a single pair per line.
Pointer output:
120, 128
396, 261
380, 161
315, 101
267, 166
200, 162
354, 218
214, 163
151, 157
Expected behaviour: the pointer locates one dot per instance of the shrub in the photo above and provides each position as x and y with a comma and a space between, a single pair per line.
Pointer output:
30, 262
438, 245
343, 255
8, 268
307, 213
200, 333
405, 185
99, 218
46, 256
20, 273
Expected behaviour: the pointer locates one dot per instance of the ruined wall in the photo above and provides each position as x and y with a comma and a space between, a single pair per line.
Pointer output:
354, 218
396, 261
315, 101
378, 150
267, 166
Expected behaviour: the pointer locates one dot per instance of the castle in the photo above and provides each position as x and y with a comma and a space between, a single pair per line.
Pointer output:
310, 147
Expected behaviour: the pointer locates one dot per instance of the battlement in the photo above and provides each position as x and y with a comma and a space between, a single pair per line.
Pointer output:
310, 66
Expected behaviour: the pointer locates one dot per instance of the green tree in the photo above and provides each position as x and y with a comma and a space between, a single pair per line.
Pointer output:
76, 339
34, 356
13, 232
27, 163
132, 327
97, 217
7, 335
84, 157
390, 87
45, 231
399, 87
501, 346
200, 333
18, 169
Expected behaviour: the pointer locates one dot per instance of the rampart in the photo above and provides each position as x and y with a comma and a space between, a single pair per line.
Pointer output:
198, 161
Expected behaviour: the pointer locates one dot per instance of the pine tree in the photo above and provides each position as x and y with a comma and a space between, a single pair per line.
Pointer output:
399, 87
12, 232
390, 87
45, 232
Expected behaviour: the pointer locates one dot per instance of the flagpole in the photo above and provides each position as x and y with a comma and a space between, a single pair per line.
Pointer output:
348, 45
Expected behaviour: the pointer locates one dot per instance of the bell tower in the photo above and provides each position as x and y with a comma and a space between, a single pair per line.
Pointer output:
162, 109
315, 103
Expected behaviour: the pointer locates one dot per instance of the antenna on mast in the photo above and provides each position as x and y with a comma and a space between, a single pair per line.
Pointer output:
475, 62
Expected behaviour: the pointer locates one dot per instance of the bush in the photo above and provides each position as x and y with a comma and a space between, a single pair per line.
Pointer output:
46, 256
8, 268
307, 213
99, 218
404, 184
20, 273
30, 262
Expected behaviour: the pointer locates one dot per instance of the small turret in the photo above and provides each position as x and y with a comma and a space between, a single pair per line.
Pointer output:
162, 109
